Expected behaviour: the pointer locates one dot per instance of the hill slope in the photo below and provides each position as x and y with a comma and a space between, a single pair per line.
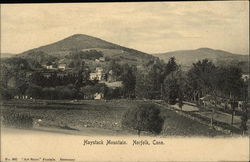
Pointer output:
81, 42
187, 57
6, 55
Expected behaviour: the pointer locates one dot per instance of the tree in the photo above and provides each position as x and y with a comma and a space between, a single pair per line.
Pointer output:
200, 78
180, 98
5, 74
244, 118
142, 87
90, 90
128, 81
231, 85
171, 89
174, 86
150, 80
229, 81
111, 93
90, 54
14, 74
171, 66
5, 94
145, 117
116, 69
34, 91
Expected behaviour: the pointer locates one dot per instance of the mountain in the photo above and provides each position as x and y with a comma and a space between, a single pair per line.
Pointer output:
187, 57
81, 42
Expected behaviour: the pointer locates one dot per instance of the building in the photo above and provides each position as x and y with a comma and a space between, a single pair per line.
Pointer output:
102, 59
98, 96
245, 77
49, 66
93, 76
114, 85
62, 66
98, 74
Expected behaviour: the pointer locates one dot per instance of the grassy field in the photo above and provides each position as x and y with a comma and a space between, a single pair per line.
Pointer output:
100, 114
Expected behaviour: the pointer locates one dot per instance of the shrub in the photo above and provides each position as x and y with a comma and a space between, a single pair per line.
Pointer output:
66, 92
5, 94
145, 117
34, 91
113, 93
17, 120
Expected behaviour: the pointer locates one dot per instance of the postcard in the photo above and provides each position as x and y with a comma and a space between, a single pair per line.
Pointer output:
125, 81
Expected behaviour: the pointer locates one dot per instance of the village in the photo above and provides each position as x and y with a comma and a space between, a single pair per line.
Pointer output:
61, 70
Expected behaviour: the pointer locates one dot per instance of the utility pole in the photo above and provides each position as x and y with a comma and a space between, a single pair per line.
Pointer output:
212, 118
161, 92
233, 110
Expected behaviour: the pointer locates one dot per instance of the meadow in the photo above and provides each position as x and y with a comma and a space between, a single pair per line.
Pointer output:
99, 114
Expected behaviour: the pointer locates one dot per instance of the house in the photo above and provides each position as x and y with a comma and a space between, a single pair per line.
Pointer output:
49, 66
22, 97
245, 77
102, 59
114, 85
98, 96
93, 76
99, 69
206, 100
62, 66
98, 74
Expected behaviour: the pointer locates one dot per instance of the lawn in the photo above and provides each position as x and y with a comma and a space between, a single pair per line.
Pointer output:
100, 114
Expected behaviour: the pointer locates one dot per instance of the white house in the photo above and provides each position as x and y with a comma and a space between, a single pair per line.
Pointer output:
102, 59
62, 66
49, 66
98, 96
98, 74
245, 77
93, 76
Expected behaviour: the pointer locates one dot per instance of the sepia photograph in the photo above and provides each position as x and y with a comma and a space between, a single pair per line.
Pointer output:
125, 81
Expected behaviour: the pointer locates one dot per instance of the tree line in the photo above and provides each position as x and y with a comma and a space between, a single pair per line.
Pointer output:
155, 80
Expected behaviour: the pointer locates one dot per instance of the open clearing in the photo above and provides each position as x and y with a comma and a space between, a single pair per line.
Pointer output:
103, 117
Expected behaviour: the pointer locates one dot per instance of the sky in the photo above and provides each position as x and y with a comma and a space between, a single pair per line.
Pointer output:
151, 27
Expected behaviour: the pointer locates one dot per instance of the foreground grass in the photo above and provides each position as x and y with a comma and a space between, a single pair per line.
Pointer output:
100, 114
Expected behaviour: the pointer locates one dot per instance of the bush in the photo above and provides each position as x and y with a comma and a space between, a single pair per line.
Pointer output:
113, 93
34, 91
90, 55
49, 93
145, 117
5, 94
13, 119
66, 92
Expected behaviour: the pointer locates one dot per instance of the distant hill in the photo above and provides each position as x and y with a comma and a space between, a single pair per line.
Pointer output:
81, 42
6, 55
187, 57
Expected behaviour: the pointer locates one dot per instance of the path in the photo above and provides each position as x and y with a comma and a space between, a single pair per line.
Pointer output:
218, 115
